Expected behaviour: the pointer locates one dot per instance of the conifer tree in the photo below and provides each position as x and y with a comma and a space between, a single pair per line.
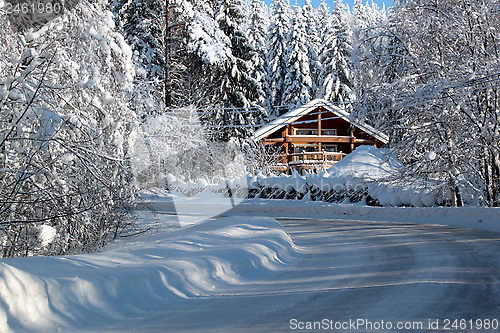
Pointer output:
140, 23
335, 80
313, 42
277, 55
257, 33
238, 90
360, 15
323, 14
298, 81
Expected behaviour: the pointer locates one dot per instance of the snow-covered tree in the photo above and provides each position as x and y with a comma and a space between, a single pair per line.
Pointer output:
64, 134
367, 15
174, 42
359, 13
335, 77
277, 55
298, 82
323, 15
238, 92
442, 87
142, 24
313, 42
177, 146
206, 39
257, 33
238, 88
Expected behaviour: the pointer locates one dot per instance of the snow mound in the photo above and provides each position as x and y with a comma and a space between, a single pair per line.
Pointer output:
142, 277
367, 162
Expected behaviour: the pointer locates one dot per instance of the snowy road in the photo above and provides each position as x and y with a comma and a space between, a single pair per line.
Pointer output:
363, 273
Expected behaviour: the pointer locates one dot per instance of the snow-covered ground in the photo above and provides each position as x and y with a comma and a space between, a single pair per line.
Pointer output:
479, 218
233, 267
140, 276
194, 209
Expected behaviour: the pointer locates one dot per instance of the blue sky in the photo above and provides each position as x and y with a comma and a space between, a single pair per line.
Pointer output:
315, 3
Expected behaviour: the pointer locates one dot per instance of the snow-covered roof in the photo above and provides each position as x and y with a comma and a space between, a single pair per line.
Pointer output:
293, 115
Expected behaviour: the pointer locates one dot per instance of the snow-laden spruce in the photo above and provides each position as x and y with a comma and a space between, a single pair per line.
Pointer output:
335, 58
277, 54
257, 32
298, 81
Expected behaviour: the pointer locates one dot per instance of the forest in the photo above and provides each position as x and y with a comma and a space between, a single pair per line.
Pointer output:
100, 99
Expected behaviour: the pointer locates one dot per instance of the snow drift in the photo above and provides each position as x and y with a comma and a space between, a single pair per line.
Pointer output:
143, 276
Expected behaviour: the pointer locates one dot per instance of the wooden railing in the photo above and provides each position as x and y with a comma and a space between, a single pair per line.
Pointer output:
309, 160
315, 157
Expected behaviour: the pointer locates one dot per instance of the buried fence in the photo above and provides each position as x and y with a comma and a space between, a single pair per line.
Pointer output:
320, 187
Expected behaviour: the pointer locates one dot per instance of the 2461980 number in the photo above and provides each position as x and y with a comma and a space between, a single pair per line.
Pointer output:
34, 8
478, 324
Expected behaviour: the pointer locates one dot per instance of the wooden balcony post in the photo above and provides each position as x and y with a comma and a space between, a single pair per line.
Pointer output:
352, 140
319, 120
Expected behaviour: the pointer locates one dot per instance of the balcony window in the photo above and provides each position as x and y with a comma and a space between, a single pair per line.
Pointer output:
332, 132
306, 131
329, 148
305, 149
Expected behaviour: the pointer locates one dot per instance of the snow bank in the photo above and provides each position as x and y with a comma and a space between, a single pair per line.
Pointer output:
367, 162
144, 276
378, 175
224, 195
480, 218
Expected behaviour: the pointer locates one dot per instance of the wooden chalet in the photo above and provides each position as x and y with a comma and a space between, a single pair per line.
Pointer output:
314, 137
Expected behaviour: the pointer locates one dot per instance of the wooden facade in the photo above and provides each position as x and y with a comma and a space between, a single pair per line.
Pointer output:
314, 136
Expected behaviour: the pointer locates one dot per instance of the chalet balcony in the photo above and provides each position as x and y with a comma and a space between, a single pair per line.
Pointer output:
308, 160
